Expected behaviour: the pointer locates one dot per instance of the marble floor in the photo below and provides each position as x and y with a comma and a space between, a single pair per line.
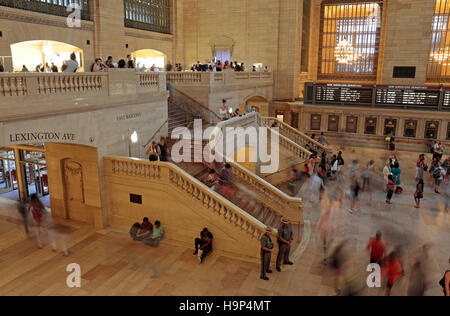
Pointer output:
111, 264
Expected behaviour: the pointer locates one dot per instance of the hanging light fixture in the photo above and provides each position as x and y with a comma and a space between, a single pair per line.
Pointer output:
442, 55
345, 53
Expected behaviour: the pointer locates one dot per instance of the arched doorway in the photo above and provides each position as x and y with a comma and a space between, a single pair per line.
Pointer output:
255, 104
42, 52
146, 58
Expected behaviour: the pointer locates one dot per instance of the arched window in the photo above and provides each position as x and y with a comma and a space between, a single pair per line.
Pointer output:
149, 15
349, 39
438, 70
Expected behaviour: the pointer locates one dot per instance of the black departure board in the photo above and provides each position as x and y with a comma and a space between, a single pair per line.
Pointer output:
446, 101
407, 95
344, 93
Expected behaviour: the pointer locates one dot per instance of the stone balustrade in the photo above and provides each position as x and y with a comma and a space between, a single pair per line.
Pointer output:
223, 78
280, 202
170, 174
295, 135
26, 94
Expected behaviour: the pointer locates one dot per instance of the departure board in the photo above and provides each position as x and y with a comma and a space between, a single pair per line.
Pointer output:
446, 101
344, 93
407, 95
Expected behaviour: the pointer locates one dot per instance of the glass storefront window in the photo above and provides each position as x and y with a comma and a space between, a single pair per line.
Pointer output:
34, 157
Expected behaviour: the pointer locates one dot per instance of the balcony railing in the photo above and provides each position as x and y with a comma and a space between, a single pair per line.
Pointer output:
54, 7
74, 90
224, 78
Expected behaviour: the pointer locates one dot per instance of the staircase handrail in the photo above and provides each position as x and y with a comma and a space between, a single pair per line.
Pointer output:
157, 131
172, 174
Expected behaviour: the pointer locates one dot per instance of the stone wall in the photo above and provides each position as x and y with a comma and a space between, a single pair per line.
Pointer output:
408, 39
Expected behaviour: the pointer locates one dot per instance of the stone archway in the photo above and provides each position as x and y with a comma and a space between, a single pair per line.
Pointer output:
146, 58
256, 103
42, 52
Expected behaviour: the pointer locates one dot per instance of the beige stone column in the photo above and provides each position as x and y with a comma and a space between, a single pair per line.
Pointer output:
408, 39
108, 17
289, 41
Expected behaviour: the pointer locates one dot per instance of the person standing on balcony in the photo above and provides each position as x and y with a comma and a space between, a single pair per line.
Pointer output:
54, 68
98, 66
2, 69
24, 69
266, 253
130, 62
70, 65
109, 62
285, 238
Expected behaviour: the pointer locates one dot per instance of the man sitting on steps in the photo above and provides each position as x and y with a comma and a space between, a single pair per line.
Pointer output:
203, 245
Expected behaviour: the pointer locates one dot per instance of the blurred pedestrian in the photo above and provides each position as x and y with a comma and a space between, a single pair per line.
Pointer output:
377, 248
22, 208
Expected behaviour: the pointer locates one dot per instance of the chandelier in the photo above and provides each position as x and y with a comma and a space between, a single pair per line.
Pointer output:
441, 56
345, 53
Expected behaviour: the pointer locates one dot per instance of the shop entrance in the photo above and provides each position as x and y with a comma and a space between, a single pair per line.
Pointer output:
23, 172
8, 173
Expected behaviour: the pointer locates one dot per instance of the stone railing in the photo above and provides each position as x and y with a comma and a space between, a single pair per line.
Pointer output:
223, 78
54, 92
282, 203
295, 135
169, 174
13, 85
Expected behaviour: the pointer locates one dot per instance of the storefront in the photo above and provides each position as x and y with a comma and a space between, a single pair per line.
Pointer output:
23, 172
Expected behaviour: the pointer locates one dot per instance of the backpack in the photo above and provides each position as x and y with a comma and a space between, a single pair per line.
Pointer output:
437, 173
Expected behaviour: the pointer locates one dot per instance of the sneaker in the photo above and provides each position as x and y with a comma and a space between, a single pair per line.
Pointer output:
289, 263
200, 255
350, 211
265, 278
278, 269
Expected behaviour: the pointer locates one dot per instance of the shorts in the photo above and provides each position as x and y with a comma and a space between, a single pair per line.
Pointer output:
438, 182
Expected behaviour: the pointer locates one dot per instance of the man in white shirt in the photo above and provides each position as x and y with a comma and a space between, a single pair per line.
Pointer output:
72, 64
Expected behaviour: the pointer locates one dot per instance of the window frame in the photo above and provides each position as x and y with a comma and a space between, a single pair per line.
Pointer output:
330, 71
347, 126
367, 123
436, 130
416, 123
338, 119
312, 121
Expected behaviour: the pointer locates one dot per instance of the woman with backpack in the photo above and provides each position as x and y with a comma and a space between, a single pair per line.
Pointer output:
438, 175
390, 189
396, 172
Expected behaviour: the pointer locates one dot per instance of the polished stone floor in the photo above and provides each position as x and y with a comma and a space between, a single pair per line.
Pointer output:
111, 264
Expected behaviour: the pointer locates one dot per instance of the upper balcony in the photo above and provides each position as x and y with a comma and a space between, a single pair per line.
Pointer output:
26, 95
220, 80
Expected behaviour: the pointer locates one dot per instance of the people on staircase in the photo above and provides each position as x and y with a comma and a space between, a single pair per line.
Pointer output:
154, 152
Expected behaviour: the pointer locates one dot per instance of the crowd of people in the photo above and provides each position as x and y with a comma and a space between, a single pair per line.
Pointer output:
217, 65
